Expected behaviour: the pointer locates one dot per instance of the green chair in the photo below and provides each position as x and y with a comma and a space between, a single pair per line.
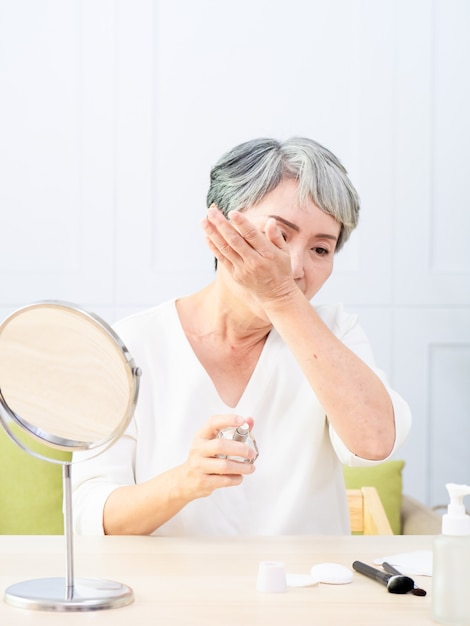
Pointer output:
407, 516
387, 479
30, 492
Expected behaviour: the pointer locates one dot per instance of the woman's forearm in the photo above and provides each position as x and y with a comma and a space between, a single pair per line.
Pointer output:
141, 509
355, 400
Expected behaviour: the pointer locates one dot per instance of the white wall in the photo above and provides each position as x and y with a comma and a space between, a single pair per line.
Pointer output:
112, 113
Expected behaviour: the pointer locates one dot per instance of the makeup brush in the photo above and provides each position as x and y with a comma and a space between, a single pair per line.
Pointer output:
416, 591
394, 583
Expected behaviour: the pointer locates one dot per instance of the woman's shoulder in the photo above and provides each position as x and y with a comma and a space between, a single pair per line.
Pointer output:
152, 318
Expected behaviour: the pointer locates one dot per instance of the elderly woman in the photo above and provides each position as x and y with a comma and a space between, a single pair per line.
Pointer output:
250, 348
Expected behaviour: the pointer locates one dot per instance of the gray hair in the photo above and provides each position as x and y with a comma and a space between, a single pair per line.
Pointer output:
245, 174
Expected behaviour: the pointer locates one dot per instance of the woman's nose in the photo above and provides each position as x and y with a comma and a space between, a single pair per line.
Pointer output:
297, 263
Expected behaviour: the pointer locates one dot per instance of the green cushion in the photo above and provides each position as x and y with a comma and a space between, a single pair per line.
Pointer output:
30, 491
387, 479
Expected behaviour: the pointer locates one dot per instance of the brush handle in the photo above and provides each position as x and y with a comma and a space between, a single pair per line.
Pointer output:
372, 572
390, 569
394, 583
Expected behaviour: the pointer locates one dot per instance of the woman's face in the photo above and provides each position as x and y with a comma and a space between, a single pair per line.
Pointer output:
311, 235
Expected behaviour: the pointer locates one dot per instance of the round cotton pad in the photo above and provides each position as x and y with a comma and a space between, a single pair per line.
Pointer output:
301, 580
332, 573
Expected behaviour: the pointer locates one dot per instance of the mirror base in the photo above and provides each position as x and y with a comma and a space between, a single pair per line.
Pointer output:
51, 594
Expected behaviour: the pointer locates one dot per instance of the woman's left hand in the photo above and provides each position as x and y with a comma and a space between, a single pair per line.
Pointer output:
258, 261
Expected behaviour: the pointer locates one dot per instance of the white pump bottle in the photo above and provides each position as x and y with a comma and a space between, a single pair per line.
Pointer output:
451, 562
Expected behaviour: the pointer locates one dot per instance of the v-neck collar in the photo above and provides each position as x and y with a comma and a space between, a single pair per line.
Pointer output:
259, 378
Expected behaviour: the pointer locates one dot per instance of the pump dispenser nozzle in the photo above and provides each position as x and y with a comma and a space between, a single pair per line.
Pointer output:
456, 521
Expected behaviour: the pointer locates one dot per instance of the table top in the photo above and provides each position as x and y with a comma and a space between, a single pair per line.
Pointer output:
206, 581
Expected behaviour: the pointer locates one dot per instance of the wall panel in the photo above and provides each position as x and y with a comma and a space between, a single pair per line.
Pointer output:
432, 260
431, 349
56, 159
449, 401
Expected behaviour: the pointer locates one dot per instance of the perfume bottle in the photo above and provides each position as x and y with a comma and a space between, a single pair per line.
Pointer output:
240, 433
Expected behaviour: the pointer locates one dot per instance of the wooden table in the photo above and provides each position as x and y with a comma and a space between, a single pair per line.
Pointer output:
204, 582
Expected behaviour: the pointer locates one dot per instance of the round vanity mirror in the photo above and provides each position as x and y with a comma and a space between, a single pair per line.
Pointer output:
68, 383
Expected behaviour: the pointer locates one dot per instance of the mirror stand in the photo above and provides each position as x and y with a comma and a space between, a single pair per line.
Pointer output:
68, 594
67, 383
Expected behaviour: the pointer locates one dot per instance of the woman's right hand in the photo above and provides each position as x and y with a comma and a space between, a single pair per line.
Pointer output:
206, 467
141, 509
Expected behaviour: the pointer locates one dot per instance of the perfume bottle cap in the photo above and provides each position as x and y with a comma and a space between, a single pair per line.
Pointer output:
271, 577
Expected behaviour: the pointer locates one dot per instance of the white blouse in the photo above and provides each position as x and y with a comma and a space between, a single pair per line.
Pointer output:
297, 487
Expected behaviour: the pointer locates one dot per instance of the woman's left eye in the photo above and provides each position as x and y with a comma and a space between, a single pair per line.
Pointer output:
321, 251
